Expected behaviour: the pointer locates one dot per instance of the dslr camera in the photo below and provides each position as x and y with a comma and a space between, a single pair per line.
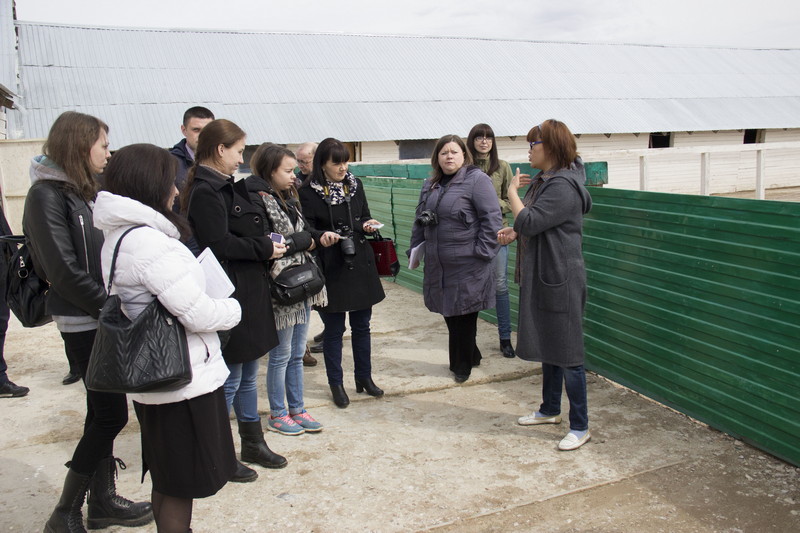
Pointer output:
427, 218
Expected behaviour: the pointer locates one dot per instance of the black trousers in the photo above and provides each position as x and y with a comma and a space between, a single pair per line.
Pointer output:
464, 353
106, 413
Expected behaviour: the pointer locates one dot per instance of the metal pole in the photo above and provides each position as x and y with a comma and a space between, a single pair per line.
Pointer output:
705, 173
760, 192
643, 173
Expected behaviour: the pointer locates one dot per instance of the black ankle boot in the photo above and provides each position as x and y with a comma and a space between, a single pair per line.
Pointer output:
106, 507
340, 396
367, 384
243, 474
255, 449
507, 349
67, 516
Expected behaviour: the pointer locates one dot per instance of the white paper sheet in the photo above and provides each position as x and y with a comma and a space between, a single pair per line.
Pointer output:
417, 255
218, 284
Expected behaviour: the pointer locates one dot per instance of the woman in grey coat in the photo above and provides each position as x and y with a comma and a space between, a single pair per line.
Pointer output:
549, 226
457, 220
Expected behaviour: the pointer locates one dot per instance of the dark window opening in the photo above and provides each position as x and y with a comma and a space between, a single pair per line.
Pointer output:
417, 149
753, 136
660, 140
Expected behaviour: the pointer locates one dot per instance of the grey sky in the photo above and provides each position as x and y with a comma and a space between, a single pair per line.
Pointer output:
739, 23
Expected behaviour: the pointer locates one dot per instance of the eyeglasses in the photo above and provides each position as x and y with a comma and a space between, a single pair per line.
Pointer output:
534, 143
484, 139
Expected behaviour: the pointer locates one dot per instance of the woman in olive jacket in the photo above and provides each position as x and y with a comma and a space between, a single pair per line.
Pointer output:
224, 220
58, 223
334, 199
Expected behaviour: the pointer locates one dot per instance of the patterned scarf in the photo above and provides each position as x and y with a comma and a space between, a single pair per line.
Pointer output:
288, 315
336, 188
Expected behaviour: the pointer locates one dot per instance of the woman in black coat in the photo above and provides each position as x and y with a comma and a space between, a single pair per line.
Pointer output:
58, 223
334, 200
224, 220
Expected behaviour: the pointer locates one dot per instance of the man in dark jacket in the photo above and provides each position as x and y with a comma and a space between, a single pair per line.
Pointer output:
8, 389
194, 120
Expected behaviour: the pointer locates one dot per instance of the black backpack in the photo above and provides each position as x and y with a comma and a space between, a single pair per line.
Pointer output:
26, 292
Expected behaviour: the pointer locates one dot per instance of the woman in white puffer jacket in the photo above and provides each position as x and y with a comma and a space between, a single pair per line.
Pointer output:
186, 438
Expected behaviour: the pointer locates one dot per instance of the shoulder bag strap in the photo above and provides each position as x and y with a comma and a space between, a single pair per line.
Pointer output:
114, 257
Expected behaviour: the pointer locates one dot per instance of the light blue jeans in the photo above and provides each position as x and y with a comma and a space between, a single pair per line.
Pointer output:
285, 370
502, 300
241, 391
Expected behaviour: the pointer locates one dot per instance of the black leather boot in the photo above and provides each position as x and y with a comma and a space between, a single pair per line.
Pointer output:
340, 396
507, 349
67, 516
255, 449
367, 384
106, 507
243, 474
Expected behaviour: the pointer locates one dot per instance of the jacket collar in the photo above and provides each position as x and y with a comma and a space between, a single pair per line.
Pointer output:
217, 180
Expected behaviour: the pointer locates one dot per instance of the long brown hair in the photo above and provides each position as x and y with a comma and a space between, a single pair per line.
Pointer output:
216, 132
437, 175
557, 140
266, 160
484, 130
146, 173
69, 144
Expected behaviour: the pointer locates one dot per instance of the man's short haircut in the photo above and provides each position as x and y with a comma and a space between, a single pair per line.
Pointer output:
197, 112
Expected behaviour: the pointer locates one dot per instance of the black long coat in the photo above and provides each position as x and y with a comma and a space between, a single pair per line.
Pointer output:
349, 289
224, 219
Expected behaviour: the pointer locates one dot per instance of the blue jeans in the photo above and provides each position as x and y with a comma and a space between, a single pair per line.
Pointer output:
575, 381
502, 300
285, 370
241, 391
359, 339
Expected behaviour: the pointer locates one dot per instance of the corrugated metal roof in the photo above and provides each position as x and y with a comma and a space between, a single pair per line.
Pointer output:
293, 87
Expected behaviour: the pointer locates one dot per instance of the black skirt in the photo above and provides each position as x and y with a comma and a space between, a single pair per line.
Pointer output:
187, 446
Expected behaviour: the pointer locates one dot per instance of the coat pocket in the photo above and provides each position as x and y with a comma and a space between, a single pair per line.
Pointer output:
552, 297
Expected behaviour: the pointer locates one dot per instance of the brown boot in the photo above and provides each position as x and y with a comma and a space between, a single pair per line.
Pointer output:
308, 359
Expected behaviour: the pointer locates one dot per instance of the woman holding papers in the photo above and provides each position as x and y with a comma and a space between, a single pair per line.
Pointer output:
272, 188
457, 220
226, 221
186, 439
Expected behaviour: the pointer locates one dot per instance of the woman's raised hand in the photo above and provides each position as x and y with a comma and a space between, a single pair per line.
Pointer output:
518, 180
371, 226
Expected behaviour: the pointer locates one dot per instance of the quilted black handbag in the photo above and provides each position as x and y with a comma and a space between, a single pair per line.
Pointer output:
148, 354
297, 283
26, 292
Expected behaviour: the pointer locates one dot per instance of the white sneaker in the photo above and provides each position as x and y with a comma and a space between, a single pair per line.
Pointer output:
538, 418
573, 442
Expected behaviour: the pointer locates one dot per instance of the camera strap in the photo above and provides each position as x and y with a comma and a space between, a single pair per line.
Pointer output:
439, 199
327, 197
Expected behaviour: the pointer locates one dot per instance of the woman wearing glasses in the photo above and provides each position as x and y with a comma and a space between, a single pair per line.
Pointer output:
548, 223
457, 220
483, 150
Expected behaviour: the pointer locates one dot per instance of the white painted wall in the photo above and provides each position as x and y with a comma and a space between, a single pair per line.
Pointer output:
15, 162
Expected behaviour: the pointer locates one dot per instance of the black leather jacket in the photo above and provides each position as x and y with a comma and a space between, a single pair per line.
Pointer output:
66, 248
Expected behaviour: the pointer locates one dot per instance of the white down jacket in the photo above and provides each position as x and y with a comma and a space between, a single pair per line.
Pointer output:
152, 262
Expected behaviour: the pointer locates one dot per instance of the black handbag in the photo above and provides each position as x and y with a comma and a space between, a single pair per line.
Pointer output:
297, 283
26, 292
147, 354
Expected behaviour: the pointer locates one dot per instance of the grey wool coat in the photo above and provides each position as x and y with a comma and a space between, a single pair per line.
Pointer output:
458, 277
552, 293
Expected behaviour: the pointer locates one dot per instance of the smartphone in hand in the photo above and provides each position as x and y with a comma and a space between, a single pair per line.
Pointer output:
276, 237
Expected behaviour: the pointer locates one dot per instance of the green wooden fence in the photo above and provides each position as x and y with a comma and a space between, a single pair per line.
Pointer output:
693, 301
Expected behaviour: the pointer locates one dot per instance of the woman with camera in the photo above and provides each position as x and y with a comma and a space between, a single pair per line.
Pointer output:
457, 220
548, 227
272, 189
334, 200
225, 220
